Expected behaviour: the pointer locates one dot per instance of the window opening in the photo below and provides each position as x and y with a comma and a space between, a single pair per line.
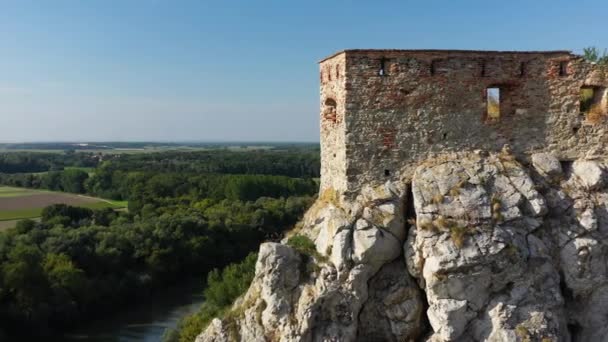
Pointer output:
382, 71
329, 110
593, 103
493, 103
563, 68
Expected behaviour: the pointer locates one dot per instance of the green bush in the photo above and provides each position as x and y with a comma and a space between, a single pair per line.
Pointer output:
303, 245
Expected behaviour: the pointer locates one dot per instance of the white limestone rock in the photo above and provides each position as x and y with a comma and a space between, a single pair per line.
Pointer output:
497, 257
591, 174
355, 239
373, 246
475, 257
547, 165
393, 311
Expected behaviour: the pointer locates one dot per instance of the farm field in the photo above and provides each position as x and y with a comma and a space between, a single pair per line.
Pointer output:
21, 203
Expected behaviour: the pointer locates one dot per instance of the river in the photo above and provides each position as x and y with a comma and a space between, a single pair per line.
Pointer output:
146, 322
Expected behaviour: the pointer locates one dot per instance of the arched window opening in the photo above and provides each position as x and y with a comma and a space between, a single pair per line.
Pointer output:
329, 110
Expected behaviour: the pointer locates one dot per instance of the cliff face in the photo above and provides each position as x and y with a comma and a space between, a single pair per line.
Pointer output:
477, 247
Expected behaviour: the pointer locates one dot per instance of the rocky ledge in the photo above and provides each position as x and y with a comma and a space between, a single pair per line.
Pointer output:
476, 247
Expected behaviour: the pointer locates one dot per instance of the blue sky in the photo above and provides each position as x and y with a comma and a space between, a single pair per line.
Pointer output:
231, 70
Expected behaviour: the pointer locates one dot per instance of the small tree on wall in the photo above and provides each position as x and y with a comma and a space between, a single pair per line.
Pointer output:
594, 55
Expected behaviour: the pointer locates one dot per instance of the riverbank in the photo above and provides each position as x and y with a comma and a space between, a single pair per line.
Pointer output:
148, 320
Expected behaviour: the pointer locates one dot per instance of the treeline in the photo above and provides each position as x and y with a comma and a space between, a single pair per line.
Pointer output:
159, 188
109, 145
140, 177
148, 186
295, 162
78, 263
30, 162
70, 180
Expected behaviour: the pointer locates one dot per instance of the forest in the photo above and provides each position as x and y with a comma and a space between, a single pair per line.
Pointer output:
189, 213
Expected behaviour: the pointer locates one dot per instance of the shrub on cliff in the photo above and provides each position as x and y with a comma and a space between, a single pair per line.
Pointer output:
303, 245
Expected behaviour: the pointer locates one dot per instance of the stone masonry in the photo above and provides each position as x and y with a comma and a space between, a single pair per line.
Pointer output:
383, 111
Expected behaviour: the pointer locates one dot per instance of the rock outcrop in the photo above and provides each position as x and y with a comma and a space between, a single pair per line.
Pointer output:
470, 247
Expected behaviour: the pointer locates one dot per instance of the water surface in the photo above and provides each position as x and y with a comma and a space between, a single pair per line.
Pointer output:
146, 321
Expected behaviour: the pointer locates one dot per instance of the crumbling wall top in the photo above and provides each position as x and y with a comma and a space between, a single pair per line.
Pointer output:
436, 52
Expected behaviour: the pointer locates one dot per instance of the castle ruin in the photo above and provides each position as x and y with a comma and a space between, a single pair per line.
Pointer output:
382, 111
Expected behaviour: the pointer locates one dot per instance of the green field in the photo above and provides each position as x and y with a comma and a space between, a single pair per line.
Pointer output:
20, 214
7, 191
21, 203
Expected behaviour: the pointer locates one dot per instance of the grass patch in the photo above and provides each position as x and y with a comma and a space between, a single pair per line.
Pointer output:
595, 114
523, 333
457, 232
81, 168
442, 223
437, 199
458, 235
20, 214
8, 191
496, 207
427, 225
307, 248
102, 204
303, 245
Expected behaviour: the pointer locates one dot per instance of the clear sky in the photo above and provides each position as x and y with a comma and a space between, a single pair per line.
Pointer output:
231, 70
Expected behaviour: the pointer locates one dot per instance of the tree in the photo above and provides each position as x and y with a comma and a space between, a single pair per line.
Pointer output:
594, 55
63, 274
51, 181
72, 180
23, 276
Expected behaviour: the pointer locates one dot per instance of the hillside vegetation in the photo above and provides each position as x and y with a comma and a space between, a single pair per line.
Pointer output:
78, 263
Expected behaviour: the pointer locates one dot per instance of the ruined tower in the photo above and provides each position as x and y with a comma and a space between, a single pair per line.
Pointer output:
382, 111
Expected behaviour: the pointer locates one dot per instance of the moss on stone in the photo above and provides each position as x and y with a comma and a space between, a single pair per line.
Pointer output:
330, 195
522, 332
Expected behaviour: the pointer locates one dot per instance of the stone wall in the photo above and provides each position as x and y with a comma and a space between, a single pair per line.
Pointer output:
396, 107
333, 127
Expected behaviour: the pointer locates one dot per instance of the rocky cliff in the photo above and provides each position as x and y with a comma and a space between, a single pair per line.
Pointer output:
470, 247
